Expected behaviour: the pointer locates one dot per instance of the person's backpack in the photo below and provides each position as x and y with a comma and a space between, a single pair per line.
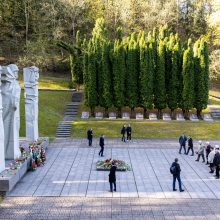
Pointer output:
173, 169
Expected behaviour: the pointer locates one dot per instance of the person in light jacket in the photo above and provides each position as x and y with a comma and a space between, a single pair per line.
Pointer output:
201, 149
210, 159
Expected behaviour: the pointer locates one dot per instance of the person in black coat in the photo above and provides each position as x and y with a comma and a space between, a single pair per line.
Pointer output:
112, 177
182, 141
176, 175
123, 131
190, 146
216, 162
207, 150
129, 132
101, 144
90, 136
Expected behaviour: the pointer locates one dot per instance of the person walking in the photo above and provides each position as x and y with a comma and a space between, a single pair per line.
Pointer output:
90, 136
216, 162
201, 149
210, 159
207, 150
190, 146
129, 132
123, 131
182, 141
101, 144
112, 177
175, 170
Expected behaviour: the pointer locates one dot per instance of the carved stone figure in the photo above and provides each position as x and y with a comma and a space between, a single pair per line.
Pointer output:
31, 76
11, 91
2, 149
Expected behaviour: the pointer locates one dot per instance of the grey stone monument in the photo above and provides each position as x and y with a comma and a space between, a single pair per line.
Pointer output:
31, 76
11, 91
2, 149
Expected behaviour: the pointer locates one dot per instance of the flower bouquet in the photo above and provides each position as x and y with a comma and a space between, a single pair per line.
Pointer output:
105, 165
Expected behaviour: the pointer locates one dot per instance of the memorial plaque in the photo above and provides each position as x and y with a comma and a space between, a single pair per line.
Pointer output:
166, 117
125, 115
139, 116
99, 115
153, 116
85, 115
207, 117
179, 117
193, 117
112, 115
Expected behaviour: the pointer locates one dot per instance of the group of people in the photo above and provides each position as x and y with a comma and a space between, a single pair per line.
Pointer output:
211, 153
125, 130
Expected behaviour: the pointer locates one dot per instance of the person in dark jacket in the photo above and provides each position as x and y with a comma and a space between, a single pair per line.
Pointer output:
101, 144
190, 146
112, 177
90, 136
182, 141
207, 151
129, 132
176, 175
216, 162
123, 131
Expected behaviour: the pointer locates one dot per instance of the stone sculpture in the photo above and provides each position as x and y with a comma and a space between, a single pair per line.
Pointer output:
11, 91
31, 76
2, 149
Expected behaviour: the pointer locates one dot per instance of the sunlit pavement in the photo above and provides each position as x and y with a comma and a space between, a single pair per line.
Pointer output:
69, 187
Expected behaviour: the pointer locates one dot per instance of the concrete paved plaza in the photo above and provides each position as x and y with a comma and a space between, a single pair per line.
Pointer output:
69, 187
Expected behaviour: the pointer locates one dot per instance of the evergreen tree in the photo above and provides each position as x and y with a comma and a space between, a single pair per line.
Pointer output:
119, 69
107, 76
92, 78
146, 74
201, 76
160, 90
85, 71
173, 91
99, 38
132, 73
188, 79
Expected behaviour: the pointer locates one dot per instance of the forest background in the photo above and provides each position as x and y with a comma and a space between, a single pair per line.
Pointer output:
30, 29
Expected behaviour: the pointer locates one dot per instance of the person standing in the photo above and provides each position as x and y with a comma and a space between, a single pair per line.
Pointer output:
216, 162
123, 131
201, 149
210, 160
129, 132
207, 150
175, 170
190, 146
182, 141
101, 144
90, 136
112, 177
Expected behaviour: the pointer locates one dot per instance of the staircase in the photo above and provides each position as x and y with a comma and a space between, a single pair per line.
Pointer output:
215, 112
64, 127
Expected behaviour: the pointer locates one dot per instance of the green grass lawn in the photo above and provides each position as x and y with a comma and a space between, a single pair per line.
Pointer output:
148, 129
51, 110
50, 82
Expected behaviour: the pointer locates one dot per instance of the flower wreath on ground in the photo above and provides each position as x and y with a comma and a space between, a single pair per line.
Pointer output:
105, 165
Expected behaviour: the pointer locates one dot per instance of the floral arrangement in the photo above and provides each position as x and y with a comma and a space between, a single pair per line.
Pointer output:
35, 151
106, 165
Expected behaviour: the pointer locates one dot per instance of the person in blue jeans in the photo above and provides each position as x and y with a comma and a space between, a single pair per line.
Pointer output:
182, 141
176, 175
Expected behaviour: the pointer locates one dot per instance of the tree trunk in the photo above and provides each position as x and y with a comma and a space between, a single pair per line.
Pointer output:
198, 112
172, 113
